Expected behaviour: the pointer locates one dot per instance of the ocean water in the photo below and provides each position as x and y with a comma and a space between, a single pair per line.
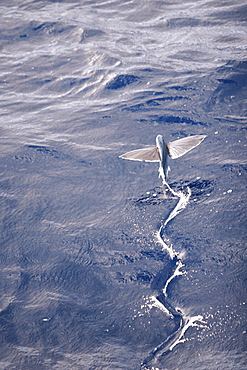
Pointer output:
101, 267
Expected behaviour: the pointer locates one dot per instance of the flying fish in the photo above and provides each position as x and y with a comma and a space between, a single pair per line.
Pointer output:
162, 151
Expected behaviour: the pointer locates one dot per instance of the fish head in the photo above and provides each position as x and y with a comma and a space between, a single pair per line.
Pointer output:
159, 141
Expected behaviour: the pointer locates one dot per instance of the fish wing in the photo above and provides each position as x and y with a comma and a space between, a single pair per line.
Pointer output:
145, 154
179, 147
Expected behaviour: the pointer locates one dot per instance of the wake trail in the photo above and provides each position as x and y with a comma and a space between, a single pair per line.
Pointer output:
182, 321
182, 203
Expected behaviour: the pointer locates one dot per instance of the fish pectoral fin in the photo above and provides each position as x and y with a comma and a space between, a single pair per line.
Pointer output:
145, 154
179, 147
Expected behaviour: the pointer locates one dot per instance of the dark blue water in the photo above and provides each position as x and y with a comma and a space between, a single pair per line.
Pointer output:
84, 278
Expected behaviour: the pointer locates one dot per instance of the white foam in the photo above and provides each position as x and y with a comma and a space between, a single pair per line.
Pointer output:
192, 321
177, 272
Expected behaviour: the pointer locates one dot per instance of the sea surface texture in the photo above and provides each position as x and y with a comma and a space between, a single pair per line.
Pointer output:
101, 267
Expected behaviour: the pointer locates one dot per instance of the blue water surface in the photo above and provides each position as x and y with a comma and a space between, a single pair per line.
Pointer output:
82, 271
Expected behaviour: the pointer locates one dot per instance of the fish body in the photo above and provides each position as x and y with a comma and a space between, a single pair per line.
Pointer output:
162, 151
163, 154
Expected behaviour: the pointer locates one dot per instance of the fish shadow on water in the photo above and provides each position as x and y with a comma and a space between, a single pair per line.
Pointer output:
199, 188
158, 195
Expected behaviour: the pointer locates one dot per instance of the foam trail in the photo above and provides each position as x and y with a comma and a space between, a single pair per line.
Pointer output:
156, 303
174, 339
182, 203
177, 272
182, 322
163, 348
191, 321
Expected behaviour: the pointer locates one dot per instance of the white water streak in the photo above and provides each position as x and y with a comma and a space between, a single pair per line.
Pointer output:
158, 304
182, 203
192, 321
177, 272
